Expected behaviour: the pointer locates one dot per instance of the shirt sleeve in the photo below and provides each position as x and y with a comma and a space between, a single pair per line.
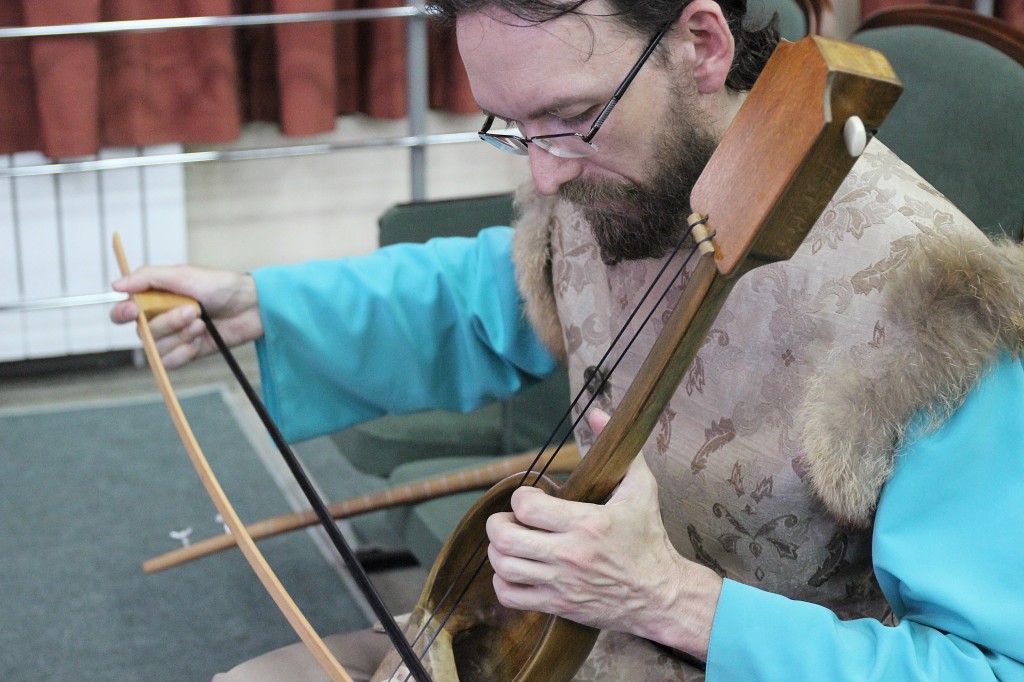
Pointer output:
407, 328
948, 553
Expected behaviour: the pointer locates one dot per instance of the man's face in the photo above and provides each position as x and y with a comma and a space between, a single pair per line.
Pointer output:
632, 220
555, 77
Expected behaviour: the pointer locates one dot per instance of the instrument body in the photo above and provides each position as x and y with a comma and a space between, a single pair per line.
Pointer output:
775, 170
483, 640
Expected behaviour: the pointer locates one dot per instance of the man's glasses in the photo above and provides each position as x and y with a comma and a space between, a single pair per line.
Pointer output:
568, 145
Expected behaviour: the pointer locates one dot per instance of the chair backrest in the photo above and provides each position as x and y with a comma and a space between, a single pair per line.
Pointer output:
960, 121
421, 220
797, 18
989, 30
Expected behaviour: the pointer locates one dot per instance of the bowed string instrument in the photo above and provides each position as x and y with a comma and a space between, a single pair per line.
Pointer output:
791, 144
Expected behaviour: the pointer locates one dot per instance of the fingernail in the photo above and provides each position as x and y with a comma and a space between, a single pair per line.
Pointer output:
597, 419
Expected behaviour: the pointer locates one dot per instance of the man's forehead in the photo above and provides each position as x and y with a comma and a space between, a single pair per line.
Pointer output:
551, 62
494, 33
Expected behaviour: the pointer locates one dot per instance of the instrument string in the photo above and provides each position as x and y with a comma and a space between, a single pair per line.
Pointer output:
606, 376
567, 415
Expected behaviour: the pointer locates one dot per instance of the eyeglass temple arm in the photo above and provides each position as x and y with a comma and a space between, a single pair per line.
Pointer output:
625, 84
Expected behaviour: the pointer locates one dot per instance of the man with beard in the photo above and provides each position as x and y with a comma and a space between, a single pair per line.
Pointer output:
830, 493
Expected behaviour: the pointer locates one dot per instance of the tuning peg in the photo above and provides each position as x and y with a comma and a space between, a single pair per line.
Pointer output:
856, 136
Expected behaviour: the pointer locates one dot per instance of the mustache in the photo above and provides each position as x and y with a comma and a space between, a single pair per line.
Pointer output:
628, 221
586, 193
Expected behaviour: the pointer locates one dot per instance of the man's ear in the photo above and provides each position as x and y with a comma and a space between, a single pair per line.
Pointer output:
712, 44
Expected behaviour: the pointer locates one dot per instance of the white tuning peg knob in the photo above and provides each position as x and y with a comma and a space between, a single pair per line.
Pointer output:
855, 135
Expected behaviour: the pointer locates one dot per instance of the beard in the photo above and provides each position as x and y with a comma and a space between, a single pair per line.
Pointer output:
632, 221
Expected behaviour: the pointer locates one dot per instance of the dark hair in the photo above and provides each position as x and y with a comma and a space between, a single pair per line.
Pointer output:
753, 45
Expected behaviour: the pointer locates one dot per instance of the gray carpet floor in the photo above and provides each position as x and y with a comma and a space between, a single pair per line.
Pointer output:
89, 491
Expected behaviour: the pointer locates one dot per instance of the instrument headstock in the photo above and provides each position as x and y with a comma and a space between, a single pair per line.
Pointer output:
791, 144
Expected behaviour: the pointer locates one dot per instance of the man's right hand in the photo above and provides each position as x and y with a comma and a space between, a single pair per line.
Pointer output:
229, 299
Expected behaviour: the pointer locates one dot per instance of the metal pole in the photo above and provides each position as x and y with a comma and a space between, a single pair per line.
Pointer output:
417, 71
233, 155
99, 27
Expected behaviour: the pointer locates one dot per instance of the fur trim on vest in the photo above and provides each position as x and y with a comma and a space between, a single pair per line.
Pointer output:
960, 302
531, 254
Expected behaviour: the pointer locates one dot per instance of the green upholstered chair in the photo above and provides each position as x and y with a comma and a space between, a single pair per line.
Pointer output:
960, 120
419, 221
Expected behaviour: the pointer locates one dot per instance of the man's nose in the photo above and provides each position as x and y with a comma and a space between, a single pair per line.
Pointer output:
550, 172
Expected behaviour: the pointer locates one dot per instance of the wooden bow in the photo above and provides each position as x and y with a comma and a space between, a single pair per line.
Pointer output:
259, 564
792, 143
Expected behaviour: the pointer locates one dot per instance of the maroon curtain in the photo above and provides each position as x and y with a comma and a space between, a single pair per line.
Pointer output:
1009, 10
324, 70
69, 96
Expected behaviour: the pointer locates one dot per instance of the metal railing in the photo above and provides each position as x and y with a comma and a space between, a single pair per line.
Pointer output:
416, 141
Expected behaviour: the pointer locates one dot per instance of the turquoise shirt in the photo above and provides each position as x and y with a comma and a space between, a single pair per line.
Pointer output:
948, 551
407, 328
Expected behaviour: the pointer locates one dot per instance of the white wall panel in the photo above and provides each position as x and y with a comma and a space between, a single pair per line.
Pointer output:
12, 334
35, 221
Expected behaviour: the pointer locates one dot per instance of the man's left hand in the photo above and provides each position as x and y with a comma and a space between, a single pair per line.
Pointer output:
610, 566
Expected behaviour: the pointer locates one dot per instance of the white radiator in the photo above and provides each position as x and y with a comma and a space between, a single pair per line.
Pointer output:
55, 241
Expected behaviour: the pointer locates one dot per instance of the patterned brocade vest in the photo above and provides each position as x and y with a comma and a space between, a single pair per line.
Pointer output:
728, 453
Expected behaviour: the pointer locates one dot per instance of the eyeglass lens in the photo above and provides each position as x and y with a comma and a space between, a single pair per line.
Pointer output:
564, 146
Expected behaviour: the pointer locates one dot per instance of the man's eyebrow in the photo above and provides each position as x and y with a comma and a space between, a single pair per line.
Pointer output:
550, 109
